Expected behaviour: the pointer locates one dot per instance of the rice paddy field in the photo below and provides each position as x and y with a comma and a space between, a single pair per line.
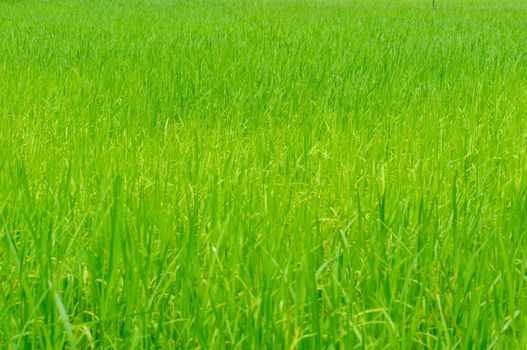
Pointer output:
263, 174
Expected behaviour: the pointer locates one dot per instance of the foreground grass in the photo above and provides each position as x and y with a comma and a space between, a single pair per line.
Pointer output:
265, 175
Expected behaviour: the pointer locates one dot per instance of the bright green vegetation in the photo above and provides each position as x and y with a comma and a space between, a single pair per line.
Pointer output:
317, 174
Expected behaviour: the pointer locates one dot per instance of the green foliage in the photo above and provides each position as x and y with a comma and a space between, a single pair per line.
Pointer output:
229, 174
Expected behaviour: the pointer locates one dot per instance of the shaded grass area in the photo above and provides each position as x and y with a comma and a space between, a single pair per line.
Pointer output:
263, 175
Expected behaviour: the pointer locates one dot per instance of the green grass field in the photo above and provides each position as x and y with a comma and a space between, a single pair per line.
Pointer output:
263, 175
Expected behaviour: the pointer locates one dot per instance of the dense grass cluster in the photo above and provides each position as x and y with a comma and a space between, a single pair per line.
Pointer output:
279, 174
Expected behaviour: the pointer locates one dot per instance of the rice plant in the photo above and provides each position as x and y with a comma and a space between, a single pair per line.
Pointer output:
275, 174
